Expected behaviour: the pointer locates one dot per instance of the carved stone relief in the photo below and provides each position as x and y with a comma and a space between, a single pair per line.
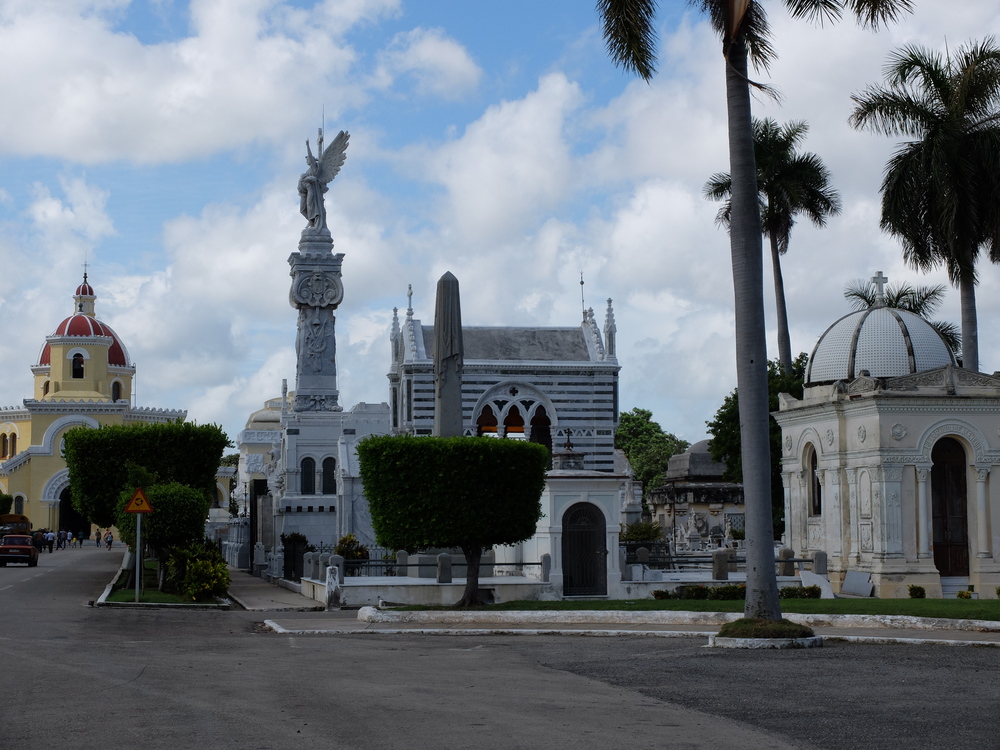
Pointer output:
898, 431
866, 537
862, 433
865, 495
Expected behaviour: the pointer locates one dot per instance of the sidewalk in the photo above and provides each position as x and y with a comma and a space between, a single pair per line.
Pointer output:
307, 617
257, 595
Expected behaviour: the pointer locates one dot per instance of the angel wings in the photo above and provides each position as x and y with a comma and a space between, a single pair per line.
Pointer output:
313, 182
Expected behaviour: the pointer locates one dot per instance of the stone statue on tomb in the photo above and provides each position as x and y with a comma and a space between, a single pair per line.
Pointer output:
313, 182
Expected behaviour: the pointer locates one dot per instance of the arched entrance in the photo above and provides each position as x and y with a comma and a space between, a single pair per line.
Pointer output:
69, 518
950, 504
583, 551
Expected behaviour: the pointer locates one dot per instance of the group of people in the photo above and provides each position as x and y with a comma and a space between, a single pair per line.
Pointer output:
47, 538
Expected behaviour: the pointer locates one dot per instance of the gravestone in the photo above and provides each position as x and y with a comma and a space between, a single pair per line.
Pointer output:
857, 583
444, 568
720, 565
786, 568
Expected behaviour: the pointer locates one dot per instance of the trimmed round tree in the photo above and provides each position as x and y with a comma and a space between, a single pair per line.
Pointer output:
178, 517
470, 493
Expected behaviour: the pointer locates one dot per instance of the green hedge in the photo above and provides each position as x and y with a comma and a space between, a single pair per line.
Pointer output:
100, 462
451, 492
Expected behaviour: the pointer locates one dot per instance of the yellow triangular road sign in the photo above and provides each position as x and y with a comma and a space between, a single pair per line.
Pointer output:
139, 503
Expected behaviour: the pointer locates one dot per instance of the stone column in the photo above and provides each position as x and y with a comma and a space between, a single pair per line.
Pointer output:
923, 514
316, 292
981, 525
449, 354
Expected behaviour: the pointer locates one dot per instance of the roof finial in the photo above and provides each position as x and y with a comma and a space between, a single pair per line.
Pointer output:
879, 280
409, 300
583, 304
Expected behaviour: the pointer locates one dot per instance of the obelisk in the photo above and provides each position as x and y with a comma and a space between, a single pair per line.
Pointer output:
449, 353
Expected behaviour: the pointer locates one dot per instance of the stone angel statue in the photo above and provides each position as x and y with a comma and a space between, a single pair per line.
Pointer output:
313, 182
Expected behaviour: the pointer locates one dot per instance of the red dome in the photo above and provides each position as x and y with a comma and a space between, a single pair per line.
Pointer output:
85, 290
86, 326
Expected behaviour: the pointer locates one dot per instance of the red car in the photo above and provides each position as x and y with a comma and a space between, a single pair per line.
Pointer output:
15, 548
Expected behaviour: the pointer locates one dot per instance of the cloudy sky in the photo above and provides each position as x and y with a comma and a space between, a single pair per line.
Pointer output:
162, 141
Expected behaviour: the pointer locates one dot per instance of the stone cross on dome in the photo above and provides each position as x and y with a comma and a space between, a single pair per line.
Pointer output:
880, 280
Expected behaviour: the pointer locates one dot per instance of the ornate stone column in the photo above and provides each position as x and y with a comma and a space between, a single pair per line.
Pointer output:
983, 537
923, 513
316, 292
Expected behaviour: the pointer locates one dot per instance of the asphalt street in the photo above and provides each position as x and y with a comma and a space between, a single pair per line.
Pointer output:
90, 677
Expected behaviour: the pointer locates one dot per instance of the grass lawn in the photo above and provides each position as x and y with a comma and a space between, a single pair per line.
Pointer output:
972, 609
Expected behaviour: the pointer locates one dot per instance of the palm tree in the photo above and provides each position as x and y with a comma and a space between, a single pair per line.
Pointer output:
788, 183
742, 24
919, 300
940, 191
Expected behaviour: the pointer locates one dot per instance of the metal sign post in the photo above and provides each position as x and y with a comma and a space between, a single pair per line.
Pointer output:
138, 505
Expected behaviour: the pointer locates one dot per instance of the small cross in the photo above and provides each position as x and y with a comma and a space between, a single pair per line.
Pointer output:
879, 280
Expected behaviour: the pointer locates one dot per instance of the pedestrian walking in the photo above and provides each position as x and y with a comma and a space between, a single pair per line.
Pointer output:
97, 538
50, 540
109, 539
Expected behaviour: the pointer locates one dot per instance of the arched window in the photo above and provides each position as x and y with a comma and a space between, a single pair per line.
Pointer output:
45, 388
541, 429
513, 424
77, 366
13, 446
116, 391
19, 505
3, 446
487, 422
329, 476
815, 486
308, 467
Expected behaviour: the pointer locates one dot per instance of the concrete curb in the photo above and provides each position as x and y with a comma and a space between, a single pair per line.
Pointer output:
757, 644
661, 617
486, 631
545, 617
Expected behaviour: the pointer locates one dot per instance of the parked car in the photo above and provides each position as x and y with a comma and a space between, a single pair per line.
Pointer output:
18, 548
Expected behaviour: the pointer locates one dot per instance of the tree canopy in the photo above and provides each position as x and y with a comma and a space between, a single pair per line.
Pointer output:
646, 446
471, 493
178, 517
939, 193
100, 462
789, 183
725, 431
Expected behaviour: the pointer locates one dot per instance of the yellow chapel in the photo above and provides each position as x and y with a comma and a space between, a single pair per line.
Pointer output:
83, 378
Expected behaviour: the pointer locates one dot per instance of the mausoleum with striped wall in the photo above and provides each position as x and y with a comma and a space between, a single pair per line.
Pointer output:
543, 384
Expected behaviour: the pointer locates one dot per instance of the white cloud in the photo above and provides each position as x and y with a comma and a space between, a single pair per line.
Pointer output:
438, 65
249, 71
511, 166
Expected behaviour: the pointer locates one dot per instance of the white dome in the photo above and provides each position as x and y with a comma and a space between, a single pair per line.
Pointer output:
885, 341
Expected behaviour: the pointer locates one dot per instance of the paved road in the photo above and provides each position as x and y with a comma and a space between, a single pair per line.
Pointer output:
106, 678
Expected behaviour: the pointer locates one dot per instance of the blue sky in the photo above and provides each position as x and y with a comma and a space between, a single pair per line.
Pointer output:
162, 142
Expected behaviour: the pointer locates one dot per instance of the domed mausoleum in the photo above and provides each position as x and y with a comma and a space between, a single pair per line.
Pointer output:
890, 458
83, 377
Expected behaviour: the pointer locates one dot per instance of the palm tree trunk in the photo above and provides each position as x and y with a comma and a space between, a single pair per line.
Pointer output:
970, 321
751, 343
784, 340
